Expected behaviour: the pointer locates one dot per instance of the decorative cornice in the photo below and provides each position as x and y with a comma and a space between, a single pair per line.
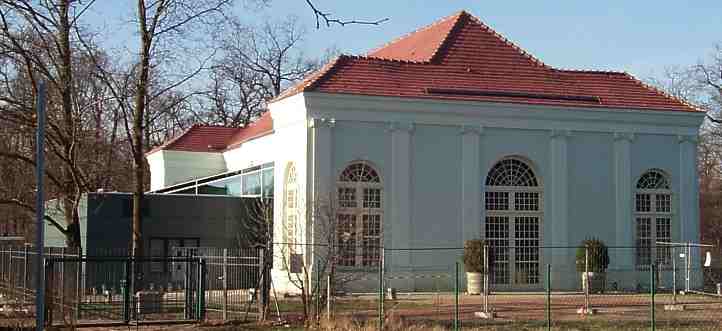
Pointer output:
322, 122
471, 129
400, 126
687, 138
628, 136
560, 133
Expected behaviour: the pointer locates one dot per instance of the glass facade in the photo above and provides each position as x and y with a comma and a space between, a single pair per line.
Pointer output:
250, 182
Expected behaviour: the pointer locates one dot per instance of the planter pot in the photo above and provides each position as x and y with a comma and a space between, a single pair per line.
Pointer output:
597, 281
474, 283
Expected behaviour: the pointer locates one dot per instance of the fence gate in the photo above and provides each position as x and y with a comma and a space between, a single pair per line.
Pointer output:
99, 289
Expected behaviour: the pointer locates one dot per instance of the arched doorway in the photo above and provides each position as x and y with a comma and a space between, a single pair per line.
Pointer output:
513, 223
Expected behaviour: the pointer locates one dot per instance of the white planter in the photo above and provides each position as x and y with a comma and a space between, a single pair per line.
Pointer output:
474, 284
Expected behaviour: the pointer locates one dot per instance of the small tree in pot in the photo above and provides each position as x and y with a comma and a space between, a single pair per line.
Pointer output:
474, 265
592, 261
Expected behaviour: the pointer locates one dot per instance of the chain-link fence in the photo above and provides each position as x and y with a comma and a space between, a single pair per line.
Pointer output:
99, 286
667, 286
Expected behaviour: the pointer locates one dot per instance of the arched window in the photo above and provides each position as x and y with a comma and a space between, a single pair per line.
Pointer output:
290, 210
512, 200
360, 215
653, 218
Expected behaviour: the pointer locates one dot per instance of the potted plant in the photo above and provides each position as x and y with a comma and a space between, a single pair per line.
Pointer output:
474, 265
592, 261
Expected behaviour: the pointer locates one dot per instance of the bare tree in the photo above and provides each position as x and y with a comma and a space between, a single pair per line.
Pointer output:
258, 62
310, 263
700, 85
709, 75
36, 44
256, 231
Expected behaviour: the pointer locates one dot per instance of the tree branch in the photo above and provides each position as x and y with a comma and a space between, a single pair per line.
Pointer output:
31, 210
326, 18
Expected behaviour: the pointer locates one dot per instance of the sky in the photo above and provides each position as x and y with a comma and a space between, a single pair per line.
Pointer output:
642, 37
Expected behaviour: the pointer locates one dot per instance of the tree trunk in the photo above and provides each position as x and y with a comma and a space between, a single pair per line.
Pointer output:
71, 194
137, 136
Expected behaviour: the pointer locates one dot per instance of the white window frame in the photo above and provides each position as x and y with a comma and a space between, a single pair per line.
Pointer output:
290, 217
653, 215
358, 210
510, 214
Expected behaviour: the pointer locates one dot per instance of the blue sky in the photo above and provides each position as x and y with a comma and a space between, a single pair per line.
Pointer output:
641, 37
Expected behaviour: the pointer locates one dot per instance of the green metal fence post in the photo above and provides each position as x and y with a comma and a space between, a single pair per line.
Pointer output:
200, 302
549, 294
125, 288
652, 289
456, 297
188, 290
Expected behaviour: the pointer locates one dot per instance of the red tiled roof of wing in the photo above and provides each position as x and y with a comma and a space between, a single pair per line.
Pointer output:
460, 53
261, 127
208, 138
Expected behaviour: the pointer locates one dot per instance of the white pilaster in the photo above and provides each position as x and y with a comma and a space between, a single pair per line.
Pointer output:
559, 234
559, 189
321, 177
400, 188
471, 184
688, 205
623, 186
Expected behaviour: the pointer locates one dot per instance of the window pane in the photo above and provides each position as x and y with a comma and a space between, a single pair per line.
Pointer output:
644, 241
291, 198
268, 183
526, 233
252, 184
497, 200
663, 203
643, 202
371, 232
290, 232
347, 197
526, 201
497, 235
664, 234
372, 198
229, 186
346, 237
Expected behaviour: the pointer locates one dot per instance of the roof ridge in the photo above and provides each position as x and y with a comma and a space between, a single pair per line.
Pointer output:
510, 43
662, 92
421, 29
589, 71
446, 40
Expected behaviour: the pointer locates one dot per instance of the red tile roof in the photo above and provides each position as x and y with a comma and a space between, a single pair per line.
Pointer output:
460, 58
209, 138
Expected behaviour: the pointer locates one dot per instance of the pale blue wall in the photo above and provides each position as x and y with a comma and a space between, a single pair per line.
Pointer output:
591, 187
436, 195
